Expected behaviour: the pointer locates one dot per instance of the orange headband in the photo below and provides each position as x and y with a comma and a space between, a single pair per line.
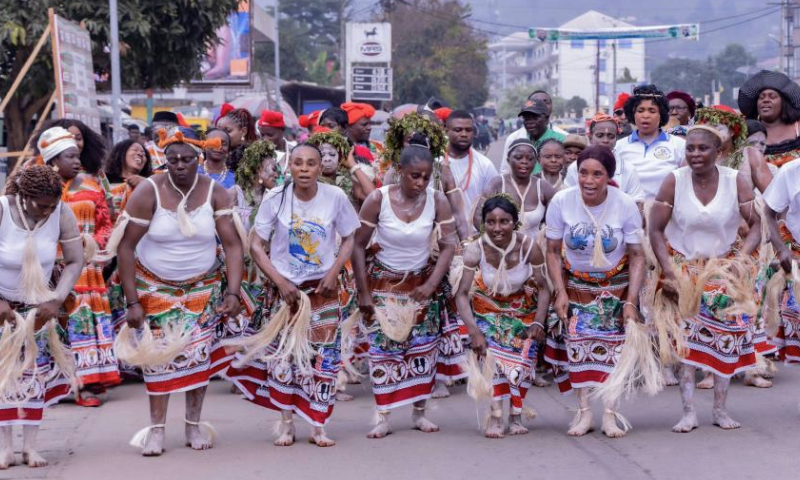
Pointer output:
178, 137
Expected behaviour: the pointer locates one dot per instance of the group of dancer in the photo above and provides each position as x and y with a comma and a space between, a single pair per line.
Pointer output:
291, 269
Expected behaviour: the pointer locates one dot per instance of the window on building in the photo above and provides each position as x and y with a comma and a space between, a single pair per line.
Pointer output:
576, 44
602, 43
602, 65
625, 43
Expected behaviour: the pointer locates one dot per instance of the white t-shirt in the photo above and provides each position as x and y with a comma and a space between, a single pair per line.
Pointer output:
783, 193
304, 243
567, 220
624, 175
652, 162
483, 171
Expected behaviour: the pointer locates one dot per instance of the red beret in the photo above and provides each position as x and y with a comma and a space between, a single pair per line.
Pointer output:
443, 113
310, 121
687, 99
623, 97
355, 111
225, 109
271, 119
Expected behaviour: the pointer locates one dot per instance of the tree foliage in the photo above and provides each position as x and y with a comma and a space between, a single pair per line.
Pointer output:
514, 97
435, 52
161, 45
575, 106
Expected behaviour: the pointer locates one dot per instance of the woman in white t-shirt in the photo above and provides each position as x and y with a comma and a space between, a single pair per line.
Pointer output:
596, 282
696, 217
403, 295
301, 221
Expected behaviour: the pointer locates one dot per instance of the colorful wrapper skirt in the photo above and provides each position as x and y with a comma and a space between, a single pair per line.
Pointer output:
48, 384
279, 384
405, 372
718, 342
192, 304
502, 320
584, 352
787, 339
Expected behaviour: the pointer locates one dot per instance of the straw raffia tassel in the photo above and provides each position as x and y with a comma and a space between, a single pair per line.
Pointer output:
480, 373
397, 318
456, 271
638, 367
669, 329
690, 291
529, 413
347, 358
119, 231
206, 429
141, 348
90, 248
33, 284
139, 439
18, 352
238, 225
623, 422
62, 356
293, 332
740, 284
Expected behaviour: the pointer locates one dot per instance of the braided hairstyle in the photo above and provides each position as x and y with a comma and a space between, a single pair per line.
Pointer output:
36, 181
243, 119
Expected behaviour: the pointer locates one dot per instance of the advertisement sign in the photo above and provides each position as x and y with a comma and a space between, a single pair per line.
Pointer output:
369, 42
687, 31
229, 60
72, 52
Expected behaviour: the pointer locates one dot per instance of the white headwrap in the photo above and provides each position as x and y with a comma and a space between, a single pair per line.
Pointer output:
54, 141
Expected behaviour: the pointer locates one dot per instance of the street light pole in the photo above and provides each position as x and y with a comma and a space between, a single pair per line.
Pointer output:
116, 89
277, 59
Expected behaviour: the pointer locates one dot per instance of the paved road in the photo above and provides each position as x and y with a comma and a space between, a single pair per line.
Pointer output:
84, 443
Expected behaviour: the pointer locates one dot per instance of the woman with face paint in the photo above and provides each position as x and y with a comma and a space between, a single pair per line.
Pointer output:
172, 280
596, 265
297, 229
215, 164
500, 315
340, 167
402, 292
34, 224
90, 325
695, 218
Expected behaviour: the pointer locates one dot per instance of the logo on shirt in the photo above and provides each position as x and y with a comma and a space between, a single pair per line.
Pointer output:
662, 152
305, 237
582, 234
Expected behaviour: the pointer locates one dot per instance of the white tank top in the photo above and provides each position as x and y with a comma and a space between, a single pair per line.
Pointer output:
12, 246
531, 219
516, 275
704, 231
171, 255
405, 246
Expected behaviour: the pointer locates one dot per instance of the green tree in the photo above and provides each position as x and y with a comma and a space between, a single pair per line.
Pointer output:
436, 53
626, 76
161, 45
725, 64
575, 106
692, 76
514, 97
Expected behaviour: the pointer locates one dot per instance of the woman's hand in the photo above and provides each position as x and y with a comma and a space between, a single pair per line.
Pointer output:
289, 293
423, 293
670, 286
329, 285
561, 305
534, 332
629, 310
135, 316
46, 312
366, 306
231, 306
478, 342
350, 161
6, 313
785, 258
134, 181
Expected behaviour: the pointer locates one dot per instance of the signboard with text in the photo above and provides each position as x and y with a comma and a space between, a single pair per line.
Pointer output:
369, 56
72, 51
687, 31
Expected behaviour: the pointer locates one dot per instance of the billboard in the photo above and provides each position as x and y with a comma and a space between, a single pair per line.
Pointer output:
229, 60
74, 72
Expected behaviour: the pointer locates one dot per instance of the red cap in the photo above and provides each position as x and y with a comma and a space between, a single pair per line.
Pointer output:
623, 97
310, 121
363, 152
443, 113
225, 109
355, 111
181, 120
271, 119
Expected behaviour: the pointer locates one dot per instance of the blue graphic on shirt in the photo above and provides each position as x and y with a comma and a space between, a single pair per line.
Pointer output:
305, 238
579, 237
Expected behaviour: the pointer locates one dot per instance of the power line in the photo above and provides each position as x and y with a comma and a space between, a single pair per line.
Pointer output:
720, 28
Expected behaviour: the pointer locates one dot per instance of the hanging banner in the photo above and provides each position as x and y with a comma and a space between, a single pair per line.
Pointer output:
74, 72
687, 31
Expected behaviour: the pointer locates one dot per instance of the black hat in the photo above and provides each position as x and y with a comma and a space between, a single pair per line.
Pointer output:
537, 107
164, 116
765, 79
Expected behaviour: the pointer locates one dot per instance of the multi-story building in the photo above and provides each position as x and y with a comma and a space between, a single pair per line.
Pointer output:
567, 68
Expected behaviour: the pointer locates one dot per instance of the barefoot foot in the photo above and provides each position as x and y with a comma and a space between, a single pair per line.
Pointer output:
541, 382
515, 426
196, 439
285, 434
382, 426
752, 380
440, 391
7, 459
670, 380
343, 397
421, 423
687, 423
723, 420
611, 427
33, 459
581, 424
495, 427
154, 443
320, 439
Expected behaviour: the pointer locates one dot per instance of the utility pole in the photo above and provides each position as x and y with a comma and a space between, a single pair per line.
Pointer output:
613, 95
787, 39
277, 59
597, 79
116, 89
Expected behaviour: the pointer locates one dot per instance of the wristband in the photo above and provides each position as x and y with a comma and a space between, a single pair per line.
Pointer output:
538, 324
130, 304
355, 168
232, 294
631, 304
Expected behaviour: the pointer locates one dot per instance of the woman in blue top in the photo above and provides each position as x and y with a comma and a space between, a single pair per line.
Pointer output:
215, 165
